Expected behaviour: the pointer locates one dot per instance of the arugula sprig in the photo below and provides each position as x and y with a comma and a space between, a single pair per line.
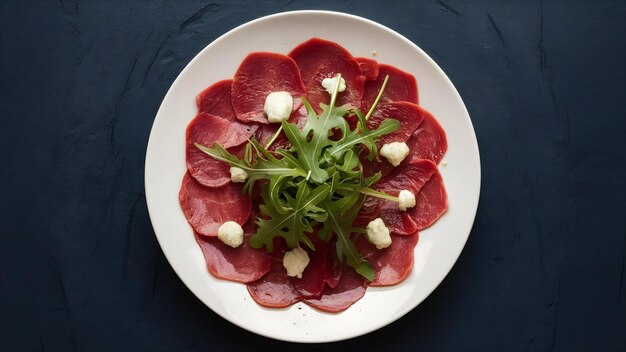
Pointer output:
341, 215
294, 225
311, 141
316, 187
261, 165
363, 135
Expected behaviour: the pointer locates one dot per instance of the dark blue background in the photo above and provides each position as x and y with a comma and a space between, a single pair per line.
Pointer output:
545, 85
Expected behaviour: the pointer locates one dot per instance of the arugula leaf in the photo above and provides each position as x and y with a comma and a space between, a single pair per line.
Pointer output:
349, 167
293, 225
340, 223
363, 135
276, 187
257, 168
311, 141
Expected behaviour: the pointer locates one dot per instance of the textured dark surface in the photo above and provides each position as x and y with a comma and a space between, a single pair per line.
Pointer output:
545, 84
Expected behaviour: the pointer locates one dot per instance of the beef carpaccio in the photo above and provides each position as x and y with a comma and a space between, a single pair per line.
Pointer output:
232, 112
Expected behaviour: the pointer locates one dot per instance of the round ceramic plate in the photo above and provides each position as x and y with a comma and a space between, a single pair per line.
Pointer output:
439, 246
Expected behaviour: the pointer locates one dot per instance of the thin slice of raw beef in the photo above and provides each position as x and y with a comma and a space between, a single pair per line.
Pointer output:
266, 131
206, 170
206, 209
431, 202
350, 288
215, 100
401, 86
428, 141
369, 67
392, 264
274, 289
411, 176
409, 115
260, 74
311, 284
206, 129
241, 264
319, 59
398, 222
334, 267
369, 211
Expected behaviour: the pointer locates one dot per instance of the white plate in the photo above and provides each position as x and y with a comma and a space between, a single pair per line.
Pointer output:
438, 247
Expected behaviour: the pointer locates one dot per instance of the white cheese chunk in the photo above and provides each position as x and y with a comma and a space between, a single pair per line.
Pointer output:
295, 261
231, 233
407, 200
378, 233
237, 175
330, 83
394, 152
278, 106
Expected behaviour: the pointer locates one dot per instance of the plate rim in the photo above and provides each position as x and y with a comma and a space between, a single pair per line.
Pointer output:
379, 26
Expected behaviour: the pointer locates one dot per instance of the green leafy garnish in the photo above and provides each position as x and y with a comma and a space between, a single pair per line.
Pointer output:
294, 225
314, 138
317, 187
341, 215
363, 135
259, 166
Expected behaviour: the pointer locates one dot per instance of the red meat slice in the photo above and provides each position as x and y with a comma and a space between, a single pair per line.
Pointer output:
319, 59
206, 170
369, 211
241, 264
428, 141
371, 167
206, 209
392, 264
215, 100
334, 267
398, 222
311, 284
410, 117
349, 290
206, 129
369, 68
401, 86
260, 74
408, 114
412, 177
431, 202
274, 290
267, 131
